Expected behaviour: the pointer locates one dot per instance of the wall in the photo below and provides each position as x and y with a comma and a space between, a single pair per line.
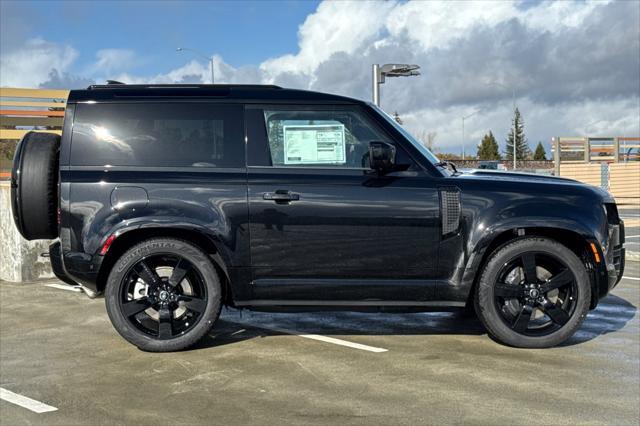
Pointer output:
621, 179
624, 181
20, 259
588, 173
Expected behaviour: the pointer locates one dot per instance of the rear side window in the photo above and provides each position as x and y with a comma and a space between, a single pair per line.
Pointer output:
158, 135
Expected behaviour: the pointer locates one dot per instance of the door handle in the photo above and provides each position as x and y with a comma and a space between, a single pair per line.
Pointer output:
281, 196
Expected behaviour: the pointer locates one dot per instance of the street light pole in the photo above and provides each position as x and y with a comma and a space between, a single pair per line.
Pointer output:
464, 118
389, 70
375, 69
202, 55
513, 94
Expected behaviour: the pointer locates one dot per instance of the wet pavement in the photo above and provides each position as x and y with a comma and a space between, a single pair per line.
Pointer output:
59, 348
631, 217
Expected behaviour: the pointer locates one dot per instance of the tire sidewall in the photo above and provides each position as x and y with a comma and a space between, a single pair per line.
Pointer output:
488, 311
147, 248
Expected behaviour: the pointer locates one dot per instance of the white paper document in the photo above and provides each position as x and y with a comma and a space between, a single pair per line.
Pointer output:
314, 144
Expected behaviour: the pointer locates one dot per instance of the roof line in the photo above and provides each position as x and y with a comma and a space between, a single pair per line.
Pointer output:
183, 86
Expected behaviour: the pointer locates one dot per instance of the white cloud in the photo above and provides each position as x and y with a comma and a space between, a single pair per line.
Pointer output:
570, 63
335, 27
605, 118
112, 60
30, 65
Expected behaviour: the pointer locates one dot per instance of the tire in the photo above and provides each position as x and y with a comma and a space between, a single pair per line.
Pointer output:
34, 186
160, 295
514, 305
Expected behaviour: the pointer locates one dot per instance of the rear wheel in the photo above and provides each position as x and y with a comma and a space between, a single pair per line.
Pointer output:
533, 293
163, 295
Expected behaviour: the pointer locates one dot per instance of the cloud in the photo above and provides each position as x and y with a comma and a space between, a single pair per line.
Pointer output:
112, 60
30, 65
65, 80
568, 64
334, 27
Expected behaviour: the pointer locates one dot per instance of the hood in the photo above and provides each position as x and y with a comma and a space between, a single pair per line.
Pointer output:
527, 179
514, 176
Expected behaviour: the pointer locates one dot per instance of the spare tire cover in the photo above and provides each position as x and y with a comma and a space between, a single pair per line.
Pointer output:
34, 185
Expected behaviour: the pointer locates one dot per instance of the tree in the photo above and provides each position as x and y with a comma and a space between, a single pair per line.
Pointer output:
396, 117
522, 146
540, 154
488, 148
428, 139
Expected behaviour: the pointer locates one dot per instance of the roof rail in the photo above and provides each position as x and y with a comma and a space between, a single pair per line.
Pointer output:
111, 83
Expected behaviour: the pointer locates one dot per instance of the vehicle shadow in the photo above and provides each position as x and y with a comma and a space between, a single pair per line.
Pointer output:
612, 314
234, 326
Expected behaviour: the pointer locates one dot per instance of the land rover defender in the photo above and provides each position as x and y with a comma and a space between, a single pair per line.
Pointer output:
175, 200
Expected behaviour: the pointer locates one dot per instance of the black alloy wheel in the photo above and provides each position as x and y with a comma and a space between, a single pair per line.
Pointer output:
163, 295
533, 293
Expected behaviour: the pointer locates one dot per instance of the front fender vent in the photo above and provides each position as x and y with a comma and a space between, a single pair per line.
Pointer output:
450, 210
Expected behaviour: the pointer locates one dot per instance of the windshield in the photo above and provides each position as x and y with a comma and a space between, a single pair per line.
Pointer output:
419, 146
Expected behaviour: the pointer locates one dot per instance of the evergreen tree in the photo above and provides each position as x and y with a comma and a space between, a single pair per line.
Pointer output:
488, 148
540, 154
522, 146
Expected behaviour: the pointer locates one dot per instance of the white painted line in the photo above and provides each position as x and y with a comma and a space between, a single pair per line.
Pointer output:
631, 236
318, 337
631, 278
23, 401
77, 289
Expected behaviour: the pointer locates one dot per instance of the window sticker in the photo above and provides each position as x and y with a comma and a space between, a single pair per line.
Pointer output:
314, 144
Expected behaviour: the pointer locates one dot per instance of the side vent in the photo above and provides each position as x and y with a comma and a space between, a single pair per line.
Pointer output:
450, 210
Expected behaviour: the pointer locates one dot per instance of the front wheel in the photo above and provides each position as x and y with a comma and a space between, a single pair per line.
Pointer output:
163, 295
533, 293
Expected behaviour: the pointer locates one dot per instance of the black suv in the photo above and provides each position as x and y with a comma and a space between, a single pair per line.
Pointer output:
175, 200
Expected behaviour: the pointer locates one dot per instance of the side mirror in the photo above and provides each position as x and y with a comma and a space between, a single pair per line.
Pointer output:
382, 156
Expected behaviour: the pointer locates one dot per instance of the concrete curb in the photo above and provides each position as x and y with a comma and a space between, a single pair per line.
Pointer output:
632, 255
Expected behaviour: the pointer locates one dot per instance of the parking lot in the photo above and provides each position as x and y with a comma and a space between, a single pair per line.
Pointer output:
631, 218
57, 347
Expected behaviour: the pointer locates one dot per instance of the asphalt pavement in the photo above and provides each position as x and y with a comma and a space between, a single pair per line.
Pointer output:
631, 217
59, 355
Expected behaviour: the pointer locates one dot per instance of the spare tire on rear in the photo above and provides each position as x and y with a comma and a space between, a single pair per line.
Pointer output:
34, 185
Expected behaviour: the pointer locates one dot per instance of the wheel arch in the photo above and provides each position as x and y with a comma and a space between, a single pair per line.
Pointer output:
573, 239
128, 238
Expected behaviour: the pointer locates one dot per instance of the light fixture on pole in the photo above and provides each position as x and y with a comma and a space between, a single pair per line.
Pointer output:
202, 55
379, 73
464, 118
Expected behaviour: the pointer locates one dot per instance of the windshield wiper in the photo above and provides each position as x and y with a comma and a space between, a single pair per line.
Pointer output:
447, 165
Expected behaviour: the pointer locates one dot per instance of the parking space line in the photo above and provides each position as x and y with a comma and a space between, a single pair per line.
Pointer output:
318, 337
630, 278
65, 287
25, 402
